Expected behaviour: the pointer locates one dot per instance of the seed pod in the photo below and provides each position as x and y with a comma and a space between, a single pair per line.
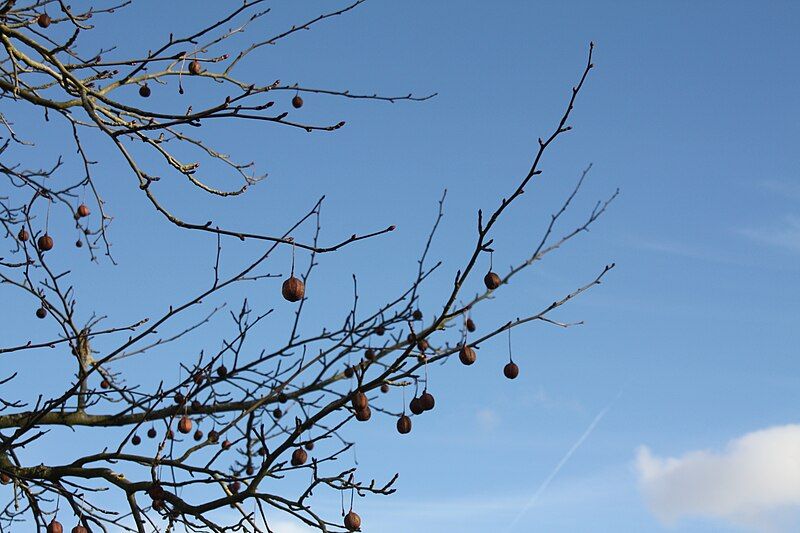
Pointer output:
249, 470
423, 345
213, 436
198, 378
196, 405
151, 433
362, 415
467, 355
43, 20
511, 370
262, 451
55, 527
195, 68
41, 312
293, 289
491, 280
144, 91
79, 529
297, 102
416, 407
359, 401
136, 440
226, 444
282, 398
309, 445
79, 244
352, 522
470, 325
404, 424
158, 505
348, 372
277, 413
198, 435
179, 398
5, 479
45, 243
370, 354
299, 457
384, 388
23, 235
222, 371
380, 330
185, 424
422, 359
235, 487
83, 211
104, 384
427, 401
417, 314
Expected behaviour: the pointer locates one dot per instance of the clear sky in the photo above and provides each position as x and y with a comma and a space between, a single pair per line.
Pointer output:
691, 342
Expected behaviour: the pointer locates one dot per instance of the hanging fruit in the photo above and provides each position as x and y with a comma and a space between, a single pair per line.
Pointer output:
370, 354
195, 68
467, 355
213, 436
417, 315
198, 436
79, 529
384, 388
470, 325
299, 457
45, 243
309, 445
83, 211
380, 330
185, 424
297, 101
41, 312
427, 401
136, 440
55, 527
144, 91
491, 280
404, 424
511, 370
359, 401
362, 415
151, 433
352, 522
416, 407
293, 289
226, 444
23, 235
43, 20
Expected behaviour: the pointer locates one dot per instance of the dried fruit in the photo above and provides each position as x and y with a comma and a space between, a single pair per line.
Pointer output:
43, 20
195, 68
41, 312
235, 487
427, 401
309, 445
79, 243
370, 354
185, 424
348, 372
416, 407
196, 405
136, 440
213, 436
198, 435
404, 424
423, 345
491, 280
380, 330
277, 413
299, 457
83, 211
297, 101
23, 235
79, 529
352, 522
55, 527
470, 325
249, 470
198, 378
362, 415
282, 398
222, 371
45, 243
144, 91
226, 444
511, 370
384, 388
104, 384
5, 479
293, 289
467, 355
151, 433
179, 398
262, 451
417, 315
359, 401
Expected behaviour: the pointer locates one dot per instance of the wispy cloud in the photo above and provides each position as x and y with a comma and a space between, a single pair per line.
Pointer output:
754, 482
783, 188
785, 235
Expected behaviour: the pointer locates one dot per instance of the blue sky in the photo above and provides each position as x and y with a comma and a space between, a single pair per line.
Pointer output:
692, 112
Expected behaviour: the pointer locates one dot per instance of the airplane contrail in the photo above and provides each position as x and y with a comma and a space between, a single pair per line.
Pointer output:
563, 461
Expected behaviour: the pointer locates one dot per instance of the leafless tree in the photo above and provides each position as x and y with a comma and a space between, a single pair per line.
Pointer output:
268, 406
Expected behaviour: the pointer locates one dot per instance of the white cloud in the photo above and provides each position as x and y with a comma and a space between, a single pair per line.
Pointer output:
754, 482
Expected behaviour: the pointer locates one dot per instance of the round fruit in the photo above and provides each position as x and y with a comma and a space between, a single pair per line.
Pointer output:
198, 435
384, 388
511, 370
136, 440
297, 102
352, 522
41, 312
179, 398
213, 437
467, 355
362, 415
359, 401
144, 91
43, 20
348, 372
299, 457
277, 413
185, 425
23, 235
249, 470
491, 280
105, 384
195, 68
45, 243
83, 211
427, 401
235, 487
222, 371
423, 345
417, 315
416, 407
380, 330
370, 354
79, 243
309, 445
55, 527
470, 325
404, 424
196, 405
79, 529
293, 289
151, 433
226, 444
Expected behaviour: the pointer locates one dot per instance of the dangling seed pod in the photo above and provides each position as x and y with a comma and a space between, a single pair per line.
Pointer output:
198, 378
282, 398
417, 315
151, 433
427, 401
79, 529
5, 479
277, 413
195, 68
136, 440
179, 398
404, 424
297, 101
422, 359
352, 522
262, 451
226, 444
158, 505
348, 372
467, 355
104, 384
41, 312
362, 415
185, 425
491, 280
359, 401
370, 354
213, 437
470, 325
198, 436
222, 371
511, 370
249, 470
293, 289
55, 527
380, 330
309, 445
79, 244
384, 388
83, 211
45, 243
416, 407
23, 235
144, 91
235, 487
299, 457
196, 405
423, 345
43, 20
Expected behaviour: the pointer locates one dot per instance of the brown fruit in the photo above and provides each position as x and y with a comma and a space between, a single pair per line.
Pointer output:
196, 405
235, 487
195, 68
45, 243
79, 243
249, 470
404, 424
384, 388
299, 457
185, 425
136, 440
43, 20
470, 325
423, 345
55, 527
416, 407
491, 280
213, 437
380, 330
198, 435
467, 355
144, 91
282, 398
370, 354
5, 479
293, 289
262, 451
158, 505
179, 398
41, 312
151, 433
297, 102
511, 370
226, 444
277, 413
362, 415
170, 434
359, 401
309, 445
222, 371
417, 315
198, 378
427, 401
422, 359
105, 384
79, 529
352, 522
83, 211
348, 372
23, 235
